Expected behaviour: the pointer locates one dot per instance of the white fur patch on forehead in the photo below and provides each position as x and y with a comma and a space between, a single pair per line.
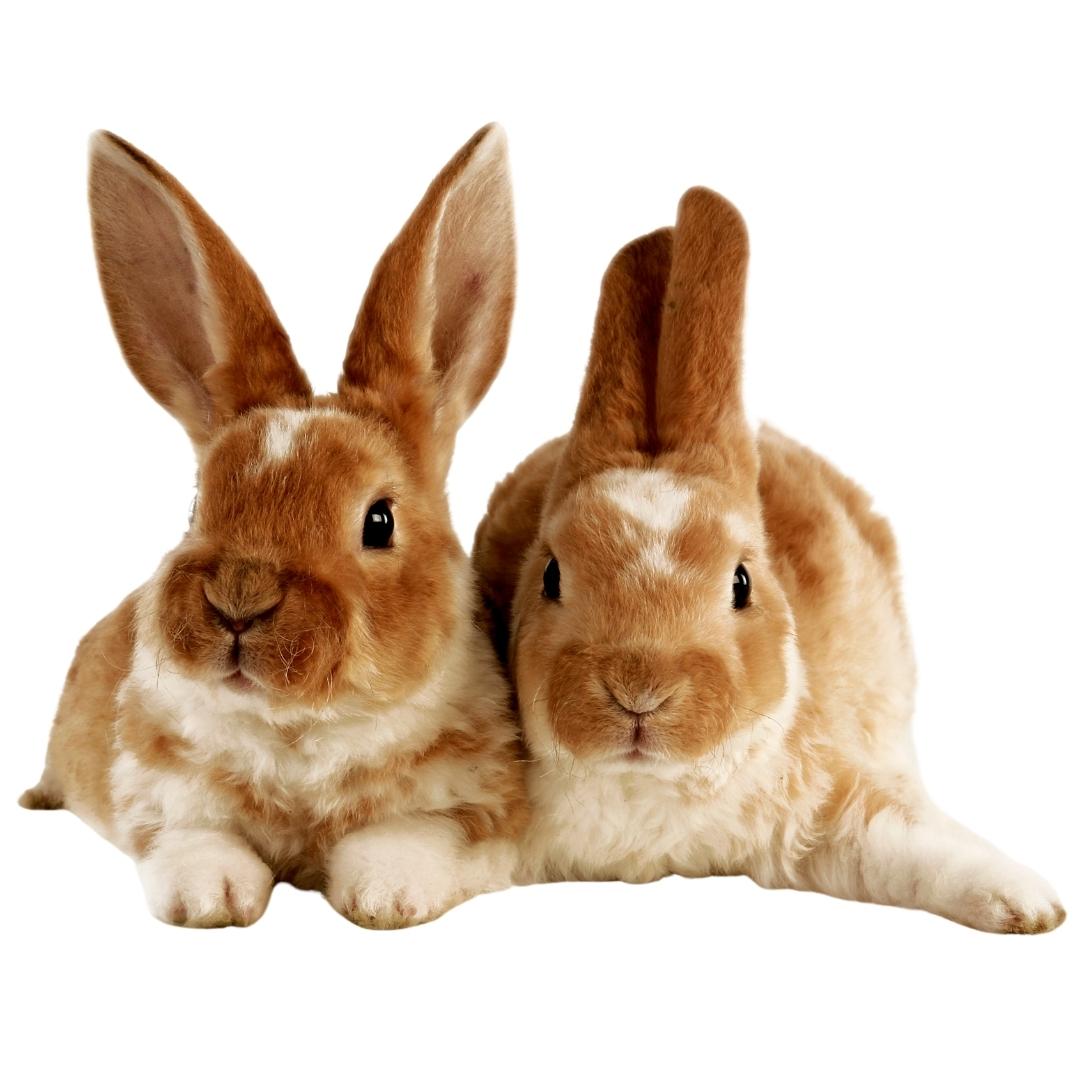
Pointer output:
742, 529
655, 558
654, 498
281, 431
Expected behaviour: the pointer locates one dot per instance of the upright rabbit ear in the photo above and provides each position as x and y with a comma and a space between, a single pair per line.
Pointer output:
615, 423
699, 379
433, 327
192, 319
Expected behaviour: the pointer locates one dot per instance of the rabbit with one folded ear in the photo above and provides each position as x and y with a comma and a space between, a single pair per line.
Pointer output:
705, 630
301, 692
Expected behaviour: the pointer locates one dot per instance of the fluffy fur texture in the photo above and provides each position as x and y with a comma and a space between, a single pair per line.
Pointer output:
669, 730
281, 702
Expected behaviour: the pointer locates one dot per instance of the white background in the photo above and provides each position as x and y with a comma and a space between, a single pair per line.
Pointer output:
910, 179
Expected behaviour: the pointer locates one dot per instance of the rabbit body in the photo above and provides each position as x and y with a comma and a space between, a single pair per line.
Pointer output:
302, 692
705, 630
396, 812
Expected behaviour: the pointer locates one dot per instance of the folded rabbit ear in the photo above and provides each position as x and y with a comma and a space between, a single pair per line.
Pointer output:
615, 425
192, 319
433, 326
664, 374
699, 377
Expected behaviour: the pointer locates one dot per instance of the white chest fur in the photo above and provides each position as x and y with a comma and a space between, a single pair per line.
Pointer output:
635, 825
303, 766
713, 816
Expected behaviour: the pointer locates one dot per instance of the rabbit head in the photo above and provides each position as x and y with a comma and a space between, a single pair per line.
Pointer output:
648, 625
320, 559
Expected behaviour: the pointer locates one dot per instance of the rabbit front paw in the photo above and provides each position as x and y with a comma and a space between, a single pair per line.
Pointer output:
396, 874
203, 878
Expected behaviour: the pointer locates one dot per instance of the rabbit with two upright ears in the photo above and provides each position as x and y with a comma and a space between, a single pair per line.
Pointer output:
301, 692
705, 629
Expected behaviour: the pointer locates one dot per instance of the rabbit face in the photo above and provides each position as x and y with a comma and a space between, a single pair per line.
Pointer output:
320, 559
667, 632
315, 555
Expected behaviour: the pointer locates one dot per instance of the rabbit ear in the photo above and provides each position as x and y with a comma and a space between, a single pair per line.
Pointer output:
615, 423
192, 319
699, 377
433, 326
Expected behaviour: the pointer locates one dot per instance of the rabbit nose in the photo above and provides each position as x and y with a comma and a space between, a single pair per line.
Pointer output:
637, 702
241, 592
239, 623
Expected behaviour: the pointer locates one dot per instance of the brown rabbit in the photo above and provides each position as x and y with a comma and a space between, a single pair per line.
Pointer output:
705, 630
301, 692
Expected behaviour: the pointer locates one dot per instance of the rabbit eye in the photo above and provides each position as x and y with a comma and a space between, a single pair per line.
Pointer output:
551, 580
740, 588
378, 525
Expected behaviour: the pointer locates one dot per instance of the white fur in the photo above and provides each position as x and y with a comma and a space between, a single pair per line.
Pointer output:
655, 499
282, 428
937, 865
153, 797
248, 737
409, 871
741, 529
655, 558
639, 822
201, 877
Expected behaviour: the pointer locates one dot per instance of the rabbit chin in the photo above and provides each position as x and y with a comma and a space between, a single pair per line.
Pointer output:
644, 762
253, 674
352, 685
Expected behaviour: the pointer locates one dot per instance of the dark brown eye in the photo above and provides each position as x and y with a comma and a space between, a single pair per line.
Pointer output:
378, 525
740, 588
551, 580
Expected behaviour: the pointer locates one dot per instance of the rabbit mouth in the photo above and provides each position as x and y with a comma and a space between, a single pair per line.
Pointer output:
237, 680
638, 754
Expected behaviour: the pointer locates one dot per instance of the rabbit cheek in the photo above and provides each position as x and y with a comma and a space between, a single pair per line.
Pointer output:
702, 713
188, 631
764, 655
297, 651
407, 613
579, 708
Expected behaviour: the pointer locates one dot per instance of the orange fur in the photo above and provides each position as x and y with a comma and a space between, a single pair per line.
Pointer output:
670, 731
207, 367
403, 357
253, 690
